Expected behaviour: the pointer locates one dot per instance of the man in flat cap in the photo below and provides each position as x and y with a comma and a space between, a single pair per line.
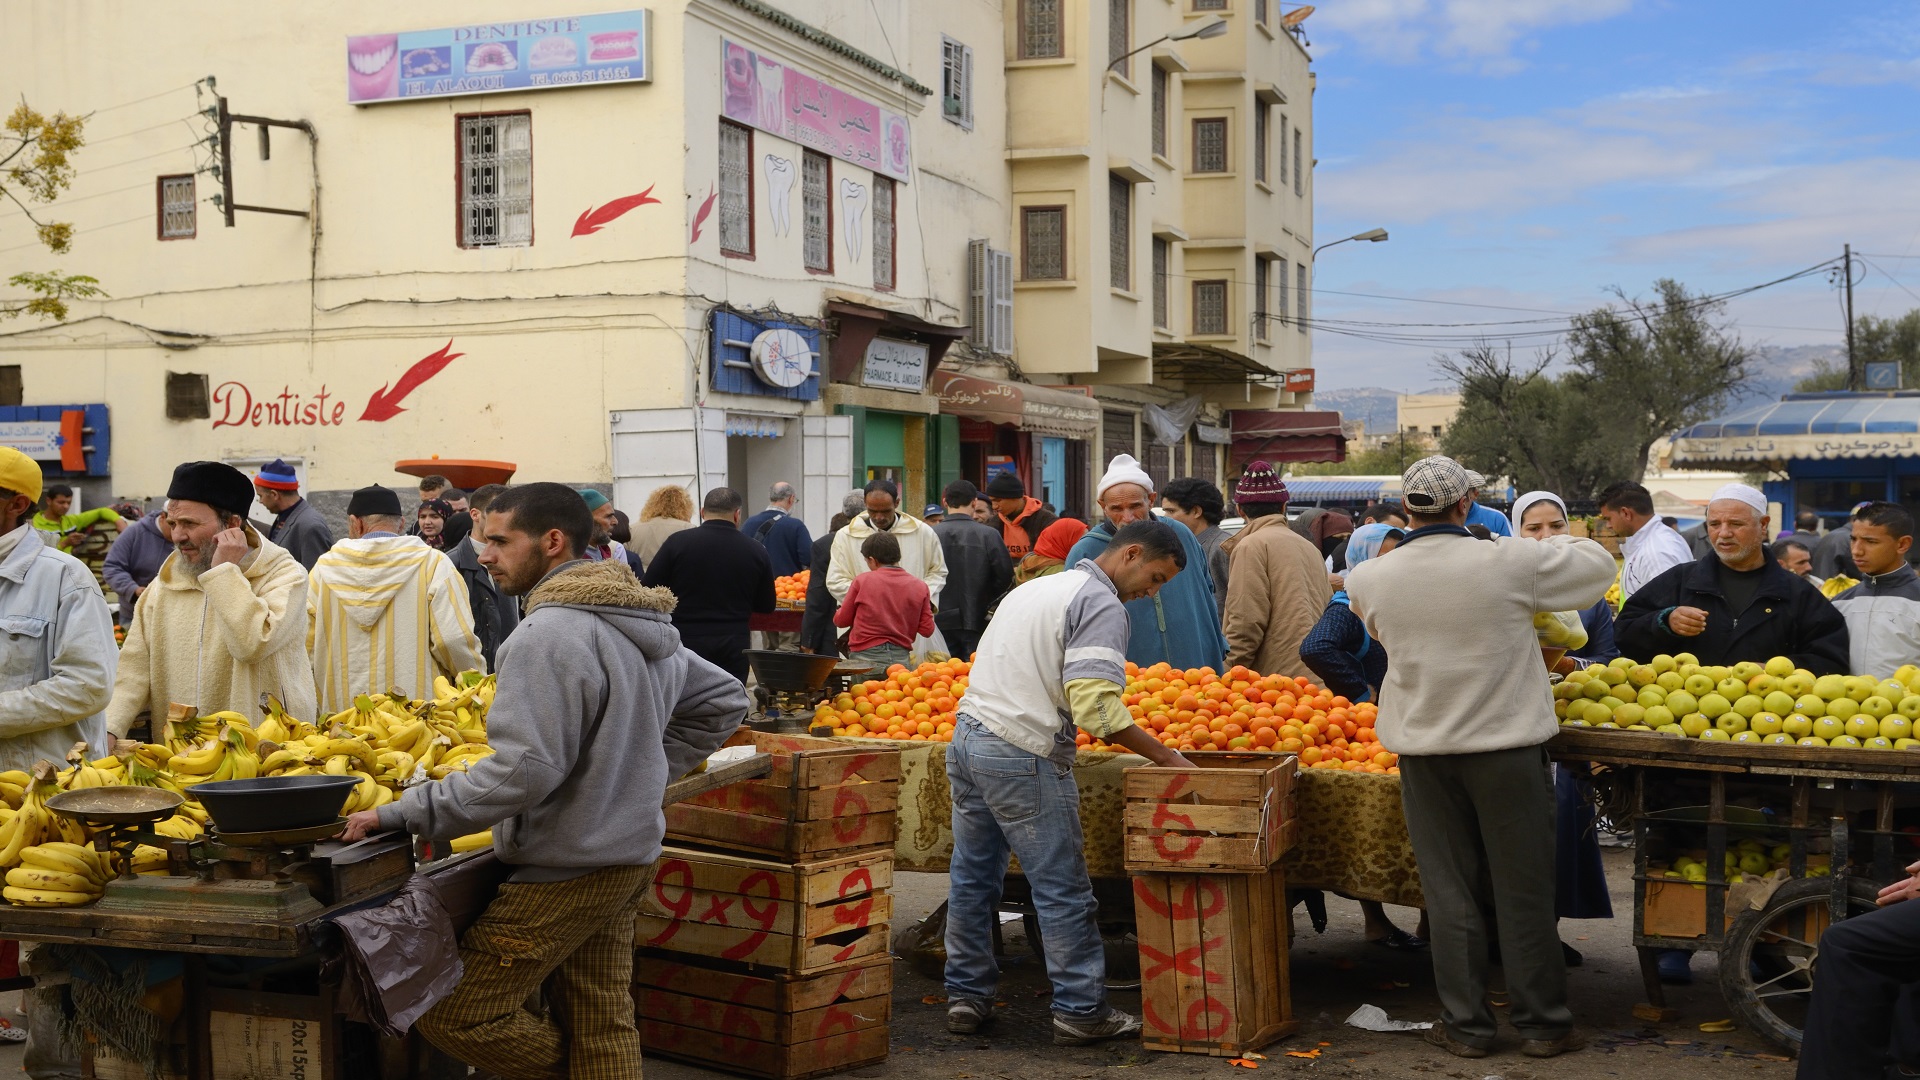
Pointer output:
297, 526
225, 620
385, 610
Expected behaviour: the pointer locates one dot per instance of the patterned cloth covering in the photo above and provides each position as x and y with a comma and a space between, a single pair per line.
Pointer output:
1352, 839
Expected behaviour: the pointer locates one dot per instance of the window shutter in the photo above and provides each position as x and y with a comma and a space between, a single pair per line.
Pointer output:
966, 87
1002, 302
979, 295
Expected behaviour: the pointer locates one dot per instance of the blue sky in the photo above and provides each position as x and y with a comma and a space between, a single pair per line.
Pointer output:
1533, 153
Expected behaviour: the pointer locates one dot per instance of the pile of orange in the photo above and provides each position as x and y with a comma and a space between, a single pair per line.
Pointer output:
1195, 709
792, 589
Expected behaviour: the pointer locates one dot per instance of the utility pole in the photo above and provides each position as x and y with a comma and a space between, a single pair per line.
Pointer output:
225, 121
1856, 372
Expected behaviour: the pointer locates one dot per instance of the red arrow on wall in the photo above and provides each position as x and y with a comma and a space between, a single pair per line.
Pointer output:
385, 402
592, 220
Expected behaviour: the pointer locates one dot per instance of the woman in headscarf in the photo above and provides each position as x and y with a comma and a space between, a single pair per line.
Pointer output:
431, 520
1350, 663
1580, 887
1329, 533
1049, 554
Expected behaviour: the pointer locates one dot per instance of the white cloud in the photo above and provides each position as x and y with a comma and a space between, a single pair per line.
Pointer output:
1485, 33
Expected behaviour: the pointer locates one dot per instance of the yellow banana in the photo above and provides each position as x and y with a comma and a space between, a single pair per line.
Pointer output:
34, 877
471, 842
16, 778
62, 859
201, 760
46, 897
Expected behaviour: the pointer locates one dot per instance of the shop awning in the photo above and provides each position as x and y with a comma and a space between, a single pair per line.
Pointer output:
1819, 427
1281, 435
1197, 364
1326, 489
1038, 409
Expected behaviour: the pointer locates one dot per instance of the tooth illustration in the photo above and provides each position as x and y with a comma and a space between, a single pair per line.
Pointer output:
771, 82
779, 192
853, 210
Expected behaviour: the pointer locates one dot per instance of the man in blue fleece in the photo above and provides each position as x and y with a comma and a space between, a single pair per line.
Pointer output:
599, 707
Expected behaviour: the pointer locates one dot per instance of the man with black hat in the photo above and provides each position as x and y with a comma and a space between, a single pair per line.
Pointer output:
225, 620
1019, 515
386, 610
297, 526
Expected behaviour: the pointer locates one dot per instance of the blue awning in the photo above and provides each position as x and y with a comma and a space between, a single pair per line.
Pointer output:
1805, 426
1302, 489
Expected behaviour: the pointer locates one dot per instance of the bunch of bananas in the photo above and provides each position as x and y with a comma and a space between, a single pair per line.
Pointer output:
81, 773
228, 753
62, 874
33, 824
13, 787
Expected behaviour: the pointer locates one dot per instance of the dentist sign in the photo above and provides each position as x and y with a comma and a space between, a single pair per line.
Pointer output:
496, 57
763, 93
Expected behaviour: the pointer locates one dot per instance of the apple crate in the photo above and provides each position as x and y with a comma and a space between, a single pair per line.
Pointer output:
796, 918
1214, 972
821, 797
1230, 813
780, 1027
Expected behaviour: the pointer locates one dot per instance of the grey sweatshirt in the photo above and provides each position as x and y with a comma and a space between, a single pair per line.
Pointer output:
599, 708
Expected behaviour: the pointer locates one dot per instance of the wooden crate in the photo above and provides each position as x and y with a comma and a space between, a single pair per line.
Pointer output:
822, 796
782, 1027
1232, 813
1214, 975
796, 918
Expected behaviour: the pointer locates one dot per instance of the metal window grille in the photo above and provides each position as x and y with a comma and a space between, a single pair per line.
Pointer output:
1119, 232
1281, 308
1260, 272
817, 181
956, 82
1300, 299
1209, 5
1043, 232
176, 207
1162, 255
1210, 307
1261, 114
1118, 16
1299, 185
1042, 34
496, 181
736, 189
1160, 110
1210, 145
883, 196
1260, 11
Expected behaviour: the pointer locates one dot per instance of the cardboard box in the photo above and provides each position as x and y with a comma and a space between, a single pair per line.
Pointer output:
266, 1047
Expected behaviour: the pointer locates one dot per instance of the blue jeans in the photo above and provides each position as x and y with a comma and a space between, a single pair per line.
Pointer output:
1006, 800
882, 657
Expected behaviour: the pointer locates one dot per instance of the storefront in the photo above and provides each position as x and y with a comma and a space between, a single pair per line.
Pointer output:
1041, 434
1280, 436
880, 367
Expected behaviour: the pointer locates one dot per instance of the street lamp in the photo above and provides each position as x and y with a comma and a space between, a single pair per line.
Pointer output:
1210, 28
1372, 236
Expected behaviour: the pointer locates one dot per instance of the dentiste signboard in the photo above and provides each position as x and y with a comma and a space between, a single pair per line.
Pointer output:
761, 92
498, 57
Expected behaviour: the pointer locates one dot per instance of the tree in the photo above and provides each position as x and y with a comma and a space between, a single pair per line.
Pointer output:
1390, 458
1875, 340
1635, 372
36, 165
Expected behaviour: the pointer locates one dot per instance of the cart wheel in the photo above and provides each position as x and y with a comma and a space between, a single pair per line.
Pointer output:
1767, 964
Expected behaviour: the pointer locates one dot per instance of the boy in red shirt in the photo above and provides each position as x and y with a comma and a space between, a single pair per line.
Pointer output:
886, 607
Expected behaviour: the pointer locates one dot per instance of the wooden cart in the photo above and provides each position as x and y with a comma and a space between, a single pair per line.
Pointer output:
1821, 803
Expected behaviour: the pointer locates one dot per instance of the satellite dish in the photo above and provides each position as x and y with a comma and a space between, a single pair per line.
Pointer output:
1295, 17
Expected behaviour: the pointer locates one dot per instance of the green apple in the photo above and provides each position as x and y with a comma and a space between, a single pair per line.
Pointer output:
1876, 706
1676, 729
1746, 737
1659, 716
1576, 709
1845, 741
1576, 723
1891, 690
1765, 723
1695, 725
1830, 686
1747, 669
1798, 725
1718, 672
1896, 727
1811, 740
1753, 862
1842, 708
1622, 663
1664, 663
1762, 684
1731, 688
1682, 658
1780, 853
1779, 702
1861, 688
1880, 742
1863, 727
1639, 727
1594, 689
1682, 702
1779, 667
1629, 715
1670, 681
1810, 704
1782, 739
1715, 735
1609, 725
1612, 676
1798, 683
1688, 671
1698, 684
1714, 704
1731, 722
1829, 728
1611, 704
1906, 744
1560, 709
1749, 706
1651, 696
1908, 706
1694, 872
1641, 674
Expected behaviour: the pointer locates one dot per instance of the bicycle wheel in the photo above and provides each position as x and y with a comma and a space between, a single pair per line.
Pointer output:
1770, 958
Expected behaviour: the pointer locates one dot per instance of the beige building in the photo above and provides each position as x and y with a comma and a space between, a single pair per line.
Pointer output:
698, 242
1426, 416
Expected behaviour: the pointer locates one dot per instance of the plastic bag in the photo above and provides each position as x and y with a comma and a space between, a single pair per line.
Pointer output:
925, 648
1560, 630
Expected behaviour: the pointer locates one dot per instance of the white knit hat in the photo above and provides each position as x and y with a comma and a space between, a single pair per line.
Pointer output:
1744, 494
1123, 469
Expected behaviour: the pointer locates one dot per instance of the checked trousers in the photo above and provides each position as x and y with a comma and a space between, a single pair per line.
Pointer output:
579, 932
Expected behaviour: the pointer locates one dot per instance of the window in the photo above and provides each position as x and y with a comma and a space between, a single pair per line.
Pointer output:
1210, 307
956, 82
187, 397
1159, 111
816, 183
496, 180
10, 388
736, 190
1043, 243
1260, 116
1260, 269
1042, 30
1283, 149
1118, 36
1300, 296
1210, 145
1280, 309
1119, 232
175, 197
1209, 5
1299, 186
1162, 258
1260, 12
990, 285
884, 193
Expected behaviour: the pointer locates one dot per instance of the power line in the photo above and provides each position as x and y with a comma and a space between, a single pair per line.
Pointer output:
1883, 272
144, 100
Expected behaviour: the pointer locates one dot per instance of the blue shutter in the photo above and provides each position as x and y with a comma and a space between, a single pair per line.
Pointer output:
733, 366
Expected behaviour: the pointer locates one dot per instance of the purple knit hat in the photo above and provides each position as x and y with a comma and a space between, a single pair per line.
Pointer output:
1260, 483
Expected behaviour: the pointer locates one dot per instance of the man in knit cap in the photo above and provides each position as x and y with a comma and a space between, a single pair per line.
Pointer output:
1180, 624
1019, 516
1277, 586
297, 526
226, 619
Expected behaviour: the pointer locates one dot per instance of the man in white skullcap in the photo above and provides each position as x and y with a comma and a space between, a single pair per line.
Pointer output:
1736, 604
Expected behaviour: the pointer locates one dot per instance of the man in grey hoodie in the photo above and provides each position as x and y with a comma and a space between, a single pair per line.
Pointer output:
599, 708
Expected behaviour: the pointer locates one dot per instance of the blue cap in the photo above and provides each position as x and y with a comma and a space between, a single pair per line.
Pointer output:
278, 475
935, 510
595, 500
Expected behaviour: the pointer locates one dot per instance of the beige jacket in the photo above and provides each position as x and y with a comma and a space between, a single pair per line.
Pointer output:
219, 642
920, 554
1276, 590
649, 535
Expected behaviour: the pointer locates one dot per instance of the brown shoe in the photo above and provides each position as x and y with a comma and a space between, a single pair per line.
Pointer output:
1437, 1036
1546, 1048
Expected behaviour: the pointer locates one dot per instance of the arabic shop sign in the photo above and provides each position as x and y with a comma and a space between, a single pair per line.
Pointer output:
895, 365
1784, 448
768, 95
496, 57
